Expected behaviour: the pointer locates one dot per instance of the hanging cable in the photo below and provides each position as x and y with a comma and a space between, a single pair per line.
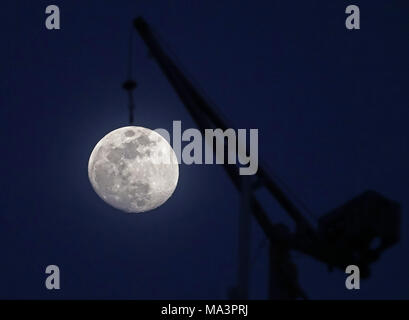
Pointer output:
130, 54
129, 85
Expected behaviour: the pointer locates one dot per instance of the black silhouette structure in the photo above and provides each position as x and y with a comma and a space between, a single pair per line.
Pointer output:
356, 233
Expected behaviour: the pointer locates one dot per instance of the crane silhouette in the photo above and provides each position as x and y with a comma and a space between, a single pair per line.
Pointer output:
344, 236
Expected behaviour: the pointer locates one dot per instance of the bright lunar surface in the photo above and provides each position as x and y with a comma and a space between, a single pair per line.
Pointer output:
134, 169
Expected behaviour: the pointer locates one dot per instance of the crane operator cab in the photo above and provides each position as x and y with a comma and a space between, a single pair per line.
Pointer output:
360, 230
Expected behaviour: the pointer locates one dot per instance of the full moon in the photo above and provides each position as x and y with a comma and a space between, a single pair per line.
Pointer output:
133, 169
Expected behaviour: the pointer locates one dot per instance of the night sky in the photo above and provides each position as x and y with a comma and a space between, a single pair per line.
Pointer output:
331, 106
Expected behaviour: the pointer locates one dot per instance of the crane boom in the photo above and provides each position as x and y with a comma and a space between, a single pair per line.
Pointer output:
205, 117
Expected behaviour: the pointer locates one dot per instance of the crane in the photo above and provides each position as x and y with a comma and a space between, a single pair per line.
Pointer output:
343, 237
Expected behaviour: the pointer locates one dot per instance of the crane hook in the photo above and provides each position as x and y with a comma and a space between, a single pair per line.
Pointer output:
130, 85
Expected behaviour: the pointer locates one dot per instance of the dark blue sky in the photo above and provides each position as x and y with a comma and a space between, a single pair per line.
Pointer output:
331, 107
